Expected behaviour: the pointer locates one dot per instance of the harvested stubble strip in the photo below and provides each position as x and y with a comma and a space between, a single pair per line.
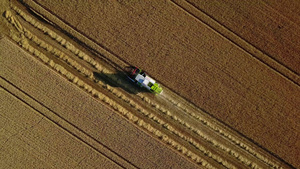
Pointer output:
91, 61
12, 20
226, 135
212, 141
147, 100
117, 107
170, 128
215, 143
232, 139
85, 57
60, 69
57, 53
119, 94
56, 37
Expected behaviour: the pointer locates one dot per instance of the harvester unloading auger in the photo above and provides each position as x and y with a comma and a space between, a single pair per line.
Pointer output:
138, 76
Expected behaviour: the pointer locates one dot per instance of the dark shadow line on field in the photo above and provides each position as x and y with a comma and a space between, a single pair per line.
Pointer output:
100, 55
267, 64
271, 66
110, 62
106, 78
64, 128
231, 128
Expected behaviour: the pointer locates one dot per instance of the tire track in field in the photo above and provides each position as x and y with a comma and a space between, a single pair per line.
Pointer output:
253, 51
232, 139
198, 132
114, 91
82, 55
62, 123
117, 107
273, 64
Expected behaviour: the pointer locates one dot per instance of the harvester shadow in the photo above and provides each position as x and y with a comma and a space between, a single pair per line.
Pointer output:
110, 79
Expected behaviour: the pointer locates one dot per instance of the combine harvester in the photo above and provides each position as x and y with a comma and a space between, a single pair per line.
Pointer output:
138, 76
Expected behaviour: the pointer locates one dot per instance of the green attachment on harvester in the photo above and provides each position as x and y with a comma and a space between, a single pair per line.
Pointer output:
156, 88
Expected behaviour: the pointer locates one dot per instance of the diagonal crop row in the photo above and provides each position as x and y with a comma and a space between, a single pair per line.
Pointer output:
60, 69
134, 119
114, 91
123, 97
91, 61
231, 138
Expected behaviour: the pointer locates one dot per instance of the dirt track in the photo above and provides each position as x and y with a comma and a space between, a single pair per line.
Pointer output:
237, 82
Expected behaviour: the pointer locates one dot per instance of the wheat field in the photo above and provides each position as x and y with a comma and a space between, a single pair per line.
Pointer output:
229, 71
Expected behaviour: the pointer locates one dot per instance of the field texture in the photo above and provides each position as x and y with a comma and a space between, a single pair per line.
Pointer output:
229, 71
